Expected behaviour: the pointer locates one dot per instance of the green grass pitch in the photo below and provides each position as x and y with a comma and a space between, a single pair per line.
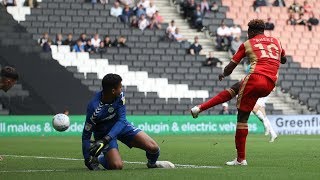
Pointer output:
290, 157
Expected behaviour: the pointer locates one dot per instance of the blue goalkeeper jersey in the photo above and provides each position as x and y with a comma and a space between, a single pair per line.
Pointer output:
103, 119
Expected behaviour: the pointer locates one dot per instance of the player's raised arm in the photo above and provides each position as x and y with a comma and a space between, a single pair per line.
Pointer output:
234, 62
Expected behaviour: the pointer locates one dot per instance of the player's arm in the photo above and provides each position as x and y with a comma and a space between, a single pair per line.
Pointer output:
234, 62
283, 58
86, 136
96, 149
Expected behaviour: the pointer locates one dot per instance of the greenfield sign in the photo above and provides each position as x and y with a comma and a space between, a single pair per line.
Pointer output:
41, 125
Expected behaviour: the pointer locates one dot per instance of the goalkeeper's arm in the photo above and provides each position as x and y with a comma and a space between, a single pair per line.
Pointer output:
100, 144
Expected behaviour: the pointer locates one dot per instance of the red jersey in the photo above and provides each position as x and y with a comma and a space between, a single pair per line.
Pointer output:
264, 55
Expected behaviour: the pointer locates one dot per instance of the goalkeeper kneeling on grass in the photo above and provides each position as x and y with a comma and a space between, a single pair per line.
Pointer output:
106, 119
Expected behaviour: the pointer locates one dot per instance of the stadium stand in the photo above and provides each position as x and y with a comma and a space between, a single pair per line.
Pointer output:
300, 75
40, 87
154, 62
146, 64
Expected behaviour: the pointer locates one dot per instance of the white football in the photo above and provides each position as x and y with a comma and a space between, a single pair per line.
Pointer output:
60, 122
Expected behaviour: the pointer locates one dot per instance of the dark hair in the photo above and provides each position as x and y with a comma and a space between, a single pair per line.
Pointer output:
9, 72
110, 81
256, 26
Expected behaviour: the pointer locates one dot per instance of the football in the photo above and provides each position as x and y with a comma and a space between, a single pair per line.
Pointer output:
60, 122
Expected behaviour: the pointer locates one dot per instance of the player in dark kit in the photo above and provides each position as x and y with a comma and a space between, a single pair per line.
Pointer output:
8, 79
106, 119
265, 54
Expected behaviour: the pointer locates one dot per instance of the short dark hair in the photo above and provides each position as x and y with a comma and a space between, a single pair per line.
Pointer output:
9, 72
110, 81
257, 26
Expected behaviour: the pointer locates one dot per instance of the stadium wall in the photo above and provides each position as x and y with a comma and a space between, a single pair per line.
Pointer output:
163, 125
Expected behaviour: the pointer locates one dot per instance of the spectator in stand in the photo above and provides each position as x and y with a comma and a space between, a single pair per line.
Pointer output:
101, 48
223, 32
171, 28
235, 44
257, 4
83, 39
95, 41
178, 37
214, 7
204, 5
116, 10
292, 20
269, 25
296, 7
145, 3
140, 11
235, 31
190, 9
134, 22
154, 24
107, 42
143, 22
31, 3
43, 39
126, 14
69, 41
195, 48
307, 8
212, 61
59, 40
158, 17
46, 46
129, 3
78, 47
120, 42
279, 3
197, 19
89, 47
7, 3
151, 9
225, 109
313, 20
103, 1
301, 20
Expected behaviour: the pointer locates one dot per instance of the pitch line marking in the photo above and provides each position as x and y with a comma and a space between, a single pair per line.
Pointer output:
128, 162
33, 170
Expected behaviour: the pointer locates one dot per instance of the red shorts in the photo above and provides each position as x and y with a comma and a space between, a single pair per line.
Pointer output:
251, 89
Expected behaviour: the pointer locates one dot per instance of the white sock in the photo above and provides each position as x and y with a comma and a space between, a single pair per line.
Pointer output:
261, 116
267, 121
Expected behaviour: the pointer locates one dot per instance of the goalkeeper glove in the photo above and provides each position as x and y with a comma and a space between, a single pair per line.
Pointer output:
98, 146
92, 163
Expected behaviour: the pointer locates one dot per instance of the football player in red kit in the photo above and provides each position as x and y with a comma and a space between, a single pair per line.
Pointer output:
265, 54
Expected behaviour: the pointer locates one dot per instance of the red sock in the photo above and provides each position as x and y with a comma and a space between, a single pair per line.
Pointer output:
240, 140
222, 97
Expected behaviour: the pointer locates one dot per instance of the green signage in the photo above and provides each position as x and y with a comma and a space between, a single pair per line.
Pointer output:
42, 126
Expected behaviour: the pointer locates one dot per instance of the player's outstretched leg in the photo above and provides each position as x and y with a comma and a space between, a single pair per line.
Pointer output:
240, 139
261, 117
273, 134
145, 142
223, 96
259, 111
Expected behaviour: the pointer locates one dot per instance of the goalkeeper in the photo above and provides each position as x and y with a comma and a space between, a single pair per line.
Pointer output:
106, 119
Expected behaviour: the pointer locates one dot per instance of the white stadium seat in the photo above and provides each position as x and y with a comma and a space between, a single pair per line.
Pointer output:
54, 49
63, 49
83, 56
